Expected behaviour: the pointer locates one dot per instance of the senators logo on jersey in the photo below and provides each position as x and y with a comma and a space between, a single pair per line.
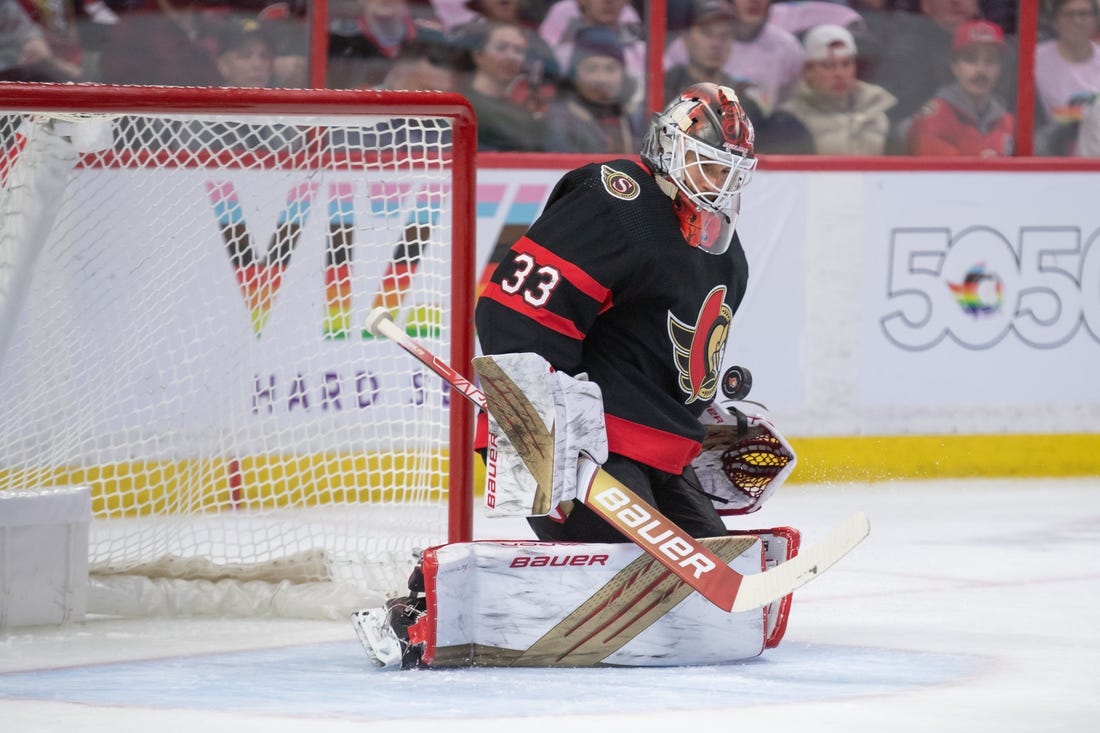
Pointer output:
619, 184
698, 349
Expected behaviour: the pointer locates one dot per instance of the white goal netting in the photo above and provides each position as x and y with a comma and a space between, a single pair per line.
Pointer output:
181, 307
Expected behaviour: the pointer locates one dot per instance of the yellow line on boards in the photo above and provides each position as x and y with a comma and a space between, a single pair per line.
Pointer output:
874, 458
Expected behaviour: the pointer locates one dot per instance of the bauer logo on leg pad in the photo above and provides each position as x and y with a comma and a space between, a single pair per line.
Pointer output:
553, 561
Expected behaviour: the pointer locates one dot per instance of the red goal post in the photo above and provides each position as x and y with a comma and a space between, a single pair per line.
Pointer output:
184, 273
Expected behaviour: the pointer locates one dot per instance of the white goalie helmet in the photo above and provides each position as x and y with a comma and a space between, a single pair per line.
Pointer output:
703, 142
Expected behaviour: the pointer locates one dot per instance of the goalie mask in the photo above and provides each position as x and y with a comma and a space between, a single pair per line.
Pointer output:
703, 142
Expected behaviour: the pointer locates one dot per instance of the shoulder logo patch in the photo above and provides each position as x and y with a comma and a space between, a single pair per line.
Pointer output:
619, 184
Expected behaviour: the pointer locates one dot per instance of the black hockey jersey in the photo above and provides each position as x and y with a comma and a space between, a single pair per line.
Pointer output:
605, 283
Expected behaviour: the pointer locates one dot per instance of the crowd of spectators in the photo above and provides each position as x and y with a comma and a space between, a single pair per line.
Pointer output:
835, 77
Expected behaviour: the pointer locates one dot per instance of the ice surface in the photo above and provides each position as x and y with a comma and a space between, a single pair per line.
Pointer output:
972, 607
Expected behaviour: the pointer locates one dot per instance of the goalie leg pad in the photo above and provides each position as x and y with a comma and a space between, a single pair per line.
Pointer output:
780, 544
611, 605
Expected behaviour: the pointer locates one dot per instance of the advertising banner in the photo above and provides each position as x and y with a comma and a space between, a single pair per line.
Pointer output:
977, 294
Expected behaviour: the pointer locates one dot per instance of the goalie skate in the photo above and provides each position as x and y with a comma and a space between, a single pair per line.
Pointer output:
384, 633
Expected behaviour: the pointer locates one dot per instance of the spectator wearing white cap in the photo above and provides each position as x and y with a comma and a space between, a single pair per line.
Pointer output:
967, 117
844, 115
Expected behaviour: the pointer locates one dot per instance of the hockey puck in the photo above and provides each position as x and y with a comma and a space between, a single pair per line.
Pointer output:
736, 383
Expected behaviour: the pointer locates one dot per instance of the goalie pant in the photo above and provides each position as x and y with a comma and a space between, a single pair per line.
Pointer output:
548, 604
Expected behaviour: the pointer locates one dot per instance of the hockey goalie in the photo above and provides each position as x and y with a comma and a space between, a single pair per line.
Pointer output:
604, 330
564, 603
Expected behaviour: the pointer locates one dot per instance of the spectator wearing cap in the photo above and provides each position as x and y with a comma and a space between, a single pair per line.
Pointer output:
246, 55
967, 117
915, 54
286, 23
844, 115
1067, 74
592, 113
245, 59
708, 40
765, 60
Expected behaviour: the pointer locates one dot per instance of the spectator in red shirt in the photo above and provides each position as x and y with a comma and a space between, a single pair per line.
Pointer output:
967, 117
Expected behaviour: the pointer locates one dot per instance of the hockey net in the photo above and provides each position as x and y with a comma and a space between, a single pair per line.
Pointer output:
184, 274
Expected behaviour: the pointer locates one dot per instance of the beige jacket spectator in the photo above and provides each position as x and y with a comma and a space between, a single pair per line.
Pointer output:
845, 116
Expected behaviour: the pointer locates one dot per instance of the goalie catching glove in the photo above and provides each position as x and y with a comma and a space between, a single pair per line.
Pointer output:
540, 422
744, 460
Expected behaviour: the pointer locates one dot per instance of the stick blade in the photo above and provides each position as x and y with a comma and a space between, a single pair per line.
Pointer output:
761, 589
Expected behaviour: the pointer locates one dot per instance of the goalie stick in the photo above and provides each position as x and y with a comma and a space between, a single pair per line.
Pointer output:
654, 533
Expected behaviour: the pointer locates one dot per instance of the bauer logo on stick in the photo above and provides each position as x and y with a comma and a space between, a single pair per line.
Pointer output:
651, 530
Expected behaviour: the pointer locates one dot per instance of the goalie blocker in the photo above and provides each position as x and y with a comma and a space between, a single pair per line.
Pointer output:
485, 603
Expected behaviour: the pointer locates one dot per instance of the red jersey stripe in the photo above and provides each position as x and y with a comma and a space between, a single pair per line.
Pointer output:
580, 279
543, 317
664, 451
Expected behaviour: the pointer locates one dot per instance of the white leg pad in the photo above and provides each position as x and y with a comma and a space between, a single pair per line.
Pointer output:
545, 604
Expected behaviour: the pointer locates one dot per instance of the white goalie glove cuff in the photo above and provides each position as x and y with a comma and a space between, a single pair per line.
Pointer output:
744, 460
545, 421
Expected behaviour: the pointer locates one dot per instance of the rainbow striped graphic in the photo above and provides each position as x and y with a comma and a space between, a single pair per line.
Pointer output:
980, 292
525, 206
259, 278
341, 236
423, 208
518, 216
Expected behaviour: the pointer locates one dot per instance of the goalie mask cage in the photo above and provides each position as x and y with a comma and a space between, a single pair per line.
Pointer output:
184, 275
